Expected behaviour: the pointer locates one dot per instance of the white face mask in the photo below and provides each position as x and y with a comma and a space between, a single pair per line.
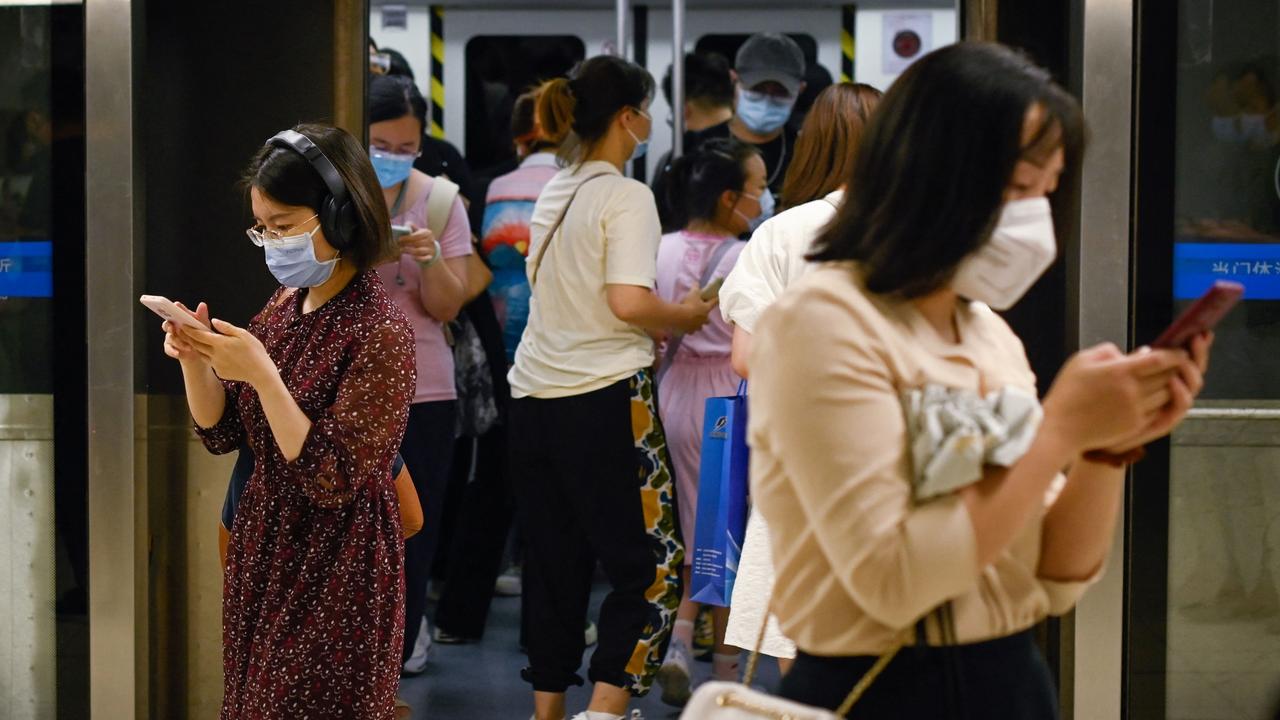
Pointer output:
1021, 248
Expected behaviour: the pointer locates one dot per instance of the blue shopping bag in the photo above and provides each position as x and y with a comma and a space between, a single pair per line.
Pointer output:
721, 522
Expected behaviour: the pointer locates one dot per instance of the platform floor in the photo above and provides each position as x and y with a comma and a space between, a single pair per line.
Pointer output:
482, 681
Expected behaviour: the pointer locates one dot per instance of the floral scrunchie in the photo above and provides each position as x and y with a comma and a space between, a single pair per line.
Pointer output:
954, 433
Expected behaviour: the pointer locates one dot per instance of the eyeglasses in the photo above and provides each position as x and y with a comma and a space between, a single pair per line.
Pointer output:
383, 152
260, 236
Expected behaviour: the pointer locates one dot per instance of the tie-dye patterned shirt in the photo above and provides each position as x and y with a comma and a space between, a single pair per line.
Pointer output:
505, 239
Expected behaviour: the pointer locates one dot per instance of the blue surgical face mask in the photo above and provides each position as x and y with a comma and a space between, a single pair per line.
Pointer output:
763, 113
392, 169
767, 206
642, 146
292, 260
753, 220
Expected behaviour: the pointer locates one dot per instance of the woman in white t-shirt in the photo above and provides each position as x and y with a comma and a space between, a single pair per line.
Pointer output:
773, 260
589, 460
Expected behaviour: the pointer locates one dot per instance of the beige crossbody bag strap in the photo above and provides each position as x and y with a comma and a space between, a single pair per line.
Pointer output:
542, 249
440, 205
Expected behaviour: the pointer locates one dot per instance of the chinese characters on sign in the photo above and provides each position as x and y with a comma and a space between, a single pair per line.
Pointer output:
1196, 266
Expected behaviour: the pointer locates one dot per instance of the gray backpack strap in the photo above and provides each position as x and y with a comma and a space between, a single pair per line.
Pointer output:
542, 250
674, 346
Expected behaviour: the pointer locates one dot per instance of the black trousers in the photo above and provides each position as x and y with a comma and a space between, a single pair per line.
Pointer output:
1002, 679
593, 482
428, 452
484, 520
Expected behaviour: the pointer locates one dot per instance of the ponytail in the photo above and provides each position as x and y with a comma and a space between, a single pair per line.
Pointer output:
555, 110
576, 113
677, 175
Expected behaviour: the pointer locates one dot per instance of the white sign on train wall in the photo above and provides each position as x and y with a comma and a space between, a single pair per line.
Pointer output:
906, 37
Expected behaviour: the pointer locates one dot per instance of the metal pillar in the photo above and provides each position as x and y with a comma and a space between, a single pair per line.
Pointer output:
677, 78
118, 643
623, 10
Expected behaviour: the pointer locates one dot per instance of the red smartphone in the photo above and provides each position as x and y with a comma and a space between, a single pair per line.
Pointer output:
1202, 316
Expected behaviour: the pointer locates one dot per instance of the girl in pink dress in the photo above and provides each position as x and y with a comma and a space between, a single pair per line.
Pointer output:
715, 190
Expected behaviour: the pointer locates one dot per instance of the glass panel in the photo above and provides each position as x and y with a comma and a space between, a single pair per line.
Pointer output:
44, 656
1224, 526
499, 69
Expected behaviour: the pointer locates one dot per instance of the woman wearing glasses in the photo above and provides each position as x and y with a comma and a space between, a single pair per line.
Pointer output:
428, 281
319, 386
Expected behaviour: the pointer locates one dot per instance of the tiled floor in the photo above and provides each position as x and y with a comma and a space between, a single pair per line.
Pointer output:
482, 681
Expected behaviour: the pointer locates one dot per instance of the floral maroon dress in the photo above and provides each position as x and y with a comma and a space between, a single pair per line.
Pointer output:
313, 608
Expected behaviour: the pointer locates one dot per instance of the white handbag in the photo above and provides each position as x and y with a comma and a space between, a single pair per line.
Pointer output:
740, 701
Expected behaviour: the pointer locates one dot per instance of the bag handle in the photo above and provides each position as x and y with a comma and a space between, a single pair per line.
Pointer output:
542, 250
859, 689
714, 262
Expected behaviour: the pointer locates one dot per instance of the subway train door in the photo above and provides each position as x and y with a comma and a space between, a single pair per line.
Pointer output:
1204, 593
492, 55
44, 655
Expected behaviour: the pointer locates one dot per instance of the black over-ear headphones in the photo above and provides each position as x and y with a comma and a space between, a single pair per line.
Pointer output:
338, 216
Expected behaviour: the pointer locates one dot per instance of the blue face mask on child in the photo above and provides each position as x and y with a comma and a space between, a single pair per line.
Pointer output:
767, 206
763, 113
392, 169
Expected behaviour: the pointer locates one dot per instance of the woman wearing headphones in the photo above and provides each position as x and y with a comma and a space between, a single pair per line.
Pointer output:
319, 385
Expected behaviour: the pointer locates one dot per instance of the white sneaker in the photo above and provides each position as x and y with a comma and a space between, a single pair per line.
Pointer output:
591, 634
417, 663
509, 583
673, 676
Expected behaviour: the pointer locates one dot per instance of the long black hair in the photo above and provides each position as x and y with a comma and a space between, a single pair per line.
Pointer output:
696, 181
391, 97
929, 177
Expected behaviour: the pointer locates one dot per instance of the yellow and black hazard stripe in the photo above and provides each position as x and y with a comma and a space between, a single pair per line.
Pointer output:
848, 26
437, 72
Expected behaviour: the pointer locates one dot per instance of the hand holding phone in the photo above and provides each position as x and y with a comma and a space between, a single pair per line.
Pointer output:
169, 310
712, 289
1203, 315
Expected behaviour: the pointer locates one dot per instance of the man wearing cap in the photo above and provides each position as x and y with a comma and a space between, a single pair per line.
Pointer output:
768, 76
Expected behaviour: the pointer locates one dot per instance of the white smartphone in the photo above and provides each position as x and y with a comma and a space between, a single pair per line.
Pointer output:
399, 231
165, 308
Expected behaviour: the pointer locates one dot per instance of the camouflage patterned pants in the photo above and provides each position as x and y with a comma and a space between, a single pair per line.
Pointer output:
593, 484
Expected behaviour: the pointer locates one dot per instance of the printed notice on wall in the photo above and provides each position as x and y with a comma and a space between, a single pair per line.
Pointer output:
907, 37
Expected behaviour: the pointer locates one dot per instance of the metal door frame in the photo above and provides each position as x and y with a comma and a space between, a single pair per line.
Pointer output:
1099, 282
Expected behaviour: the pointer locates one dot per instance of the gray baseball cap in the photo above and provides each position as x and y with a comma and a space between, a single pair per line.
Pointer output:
767, 57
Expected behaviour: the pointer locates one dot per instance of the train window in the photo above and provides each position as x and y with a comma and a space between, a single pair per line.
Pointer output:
499, 68
43, 372
817, 77
1223, 524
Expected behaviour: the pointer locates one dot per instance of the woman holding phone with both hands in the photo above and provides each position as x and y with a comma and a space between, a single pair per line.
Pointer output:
916, 490
319, 384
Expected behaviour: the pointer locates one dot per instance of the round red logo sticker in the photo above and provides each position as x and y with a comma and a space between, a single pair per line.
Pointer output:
906, 43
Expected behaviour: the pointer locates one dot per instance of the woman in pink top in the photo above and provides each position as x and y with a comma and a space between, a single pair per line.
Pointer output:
427, 282
715, 191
